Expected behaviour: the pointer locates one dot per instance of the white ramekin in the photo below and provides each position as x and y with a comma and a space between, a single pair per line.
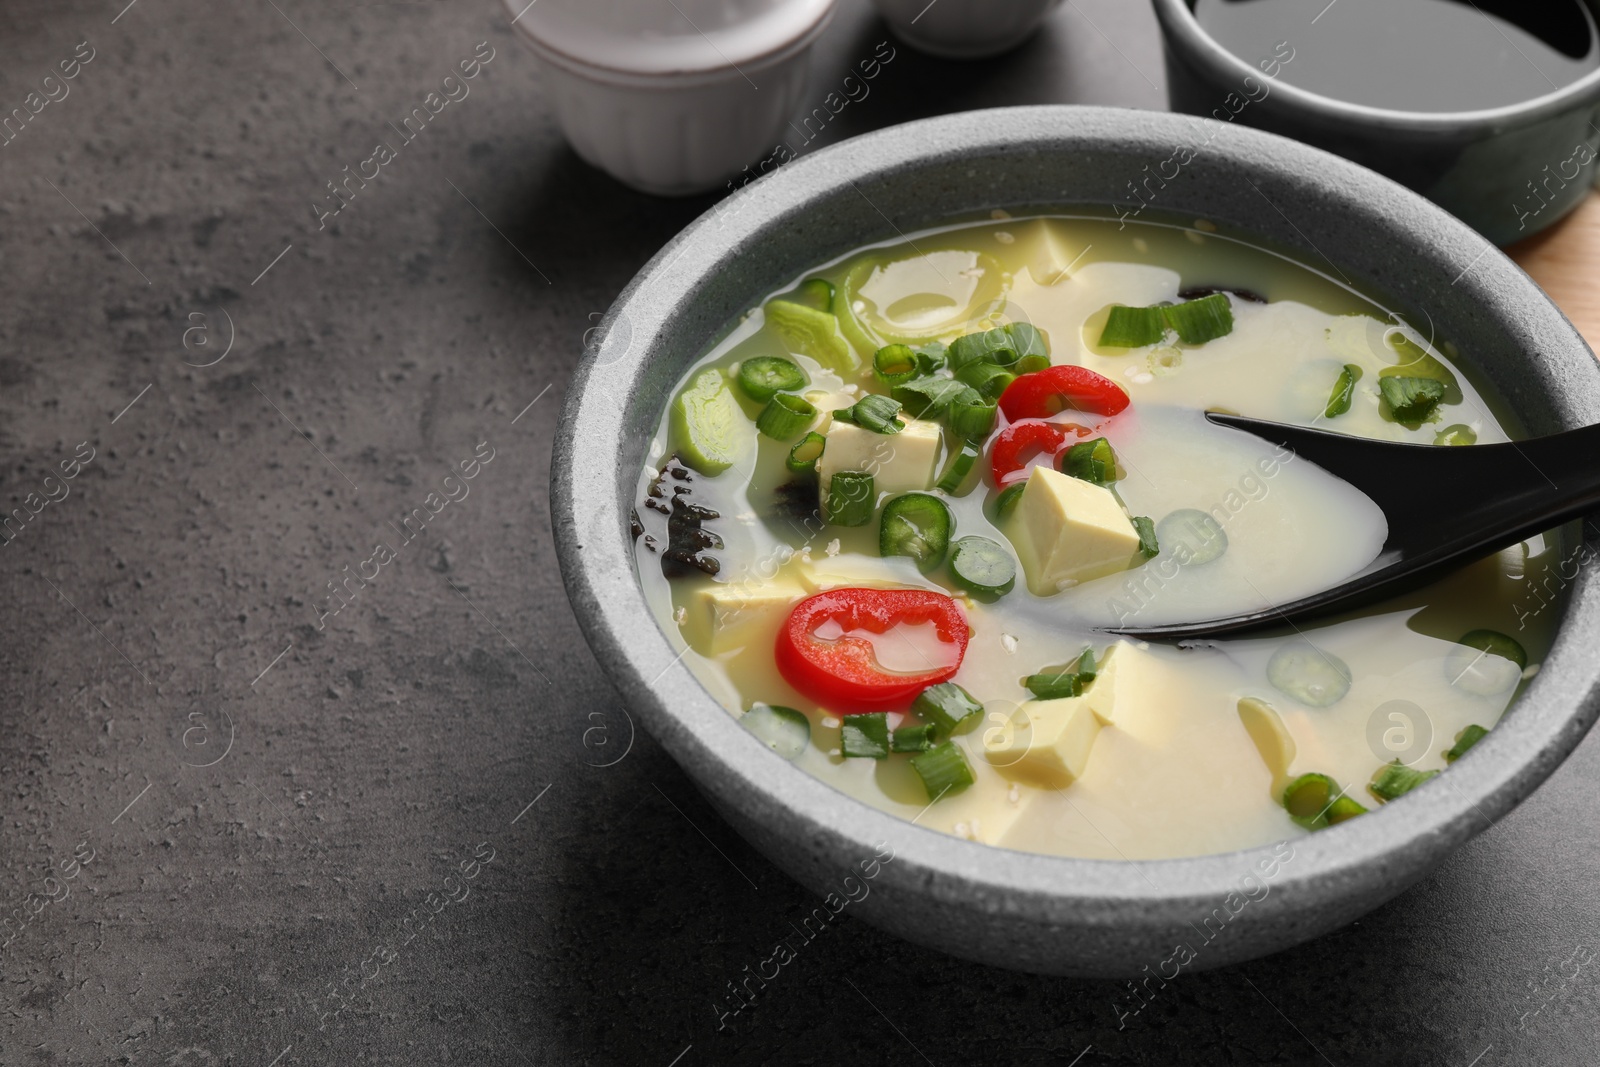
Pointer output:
964, 29
672, 114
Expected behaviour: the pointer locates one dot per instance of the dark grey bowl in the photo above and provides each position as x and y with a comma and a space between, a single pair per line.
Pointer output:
1014, 909
1475, 164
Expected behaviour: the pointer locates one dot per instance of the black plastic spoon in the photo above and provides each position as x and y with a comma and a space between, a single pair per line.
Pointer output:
1445, 505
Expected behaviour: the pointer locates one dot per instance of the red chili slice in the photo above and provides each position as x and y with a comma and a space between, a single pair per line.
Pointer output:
1043, 393
1018, 443
844, 674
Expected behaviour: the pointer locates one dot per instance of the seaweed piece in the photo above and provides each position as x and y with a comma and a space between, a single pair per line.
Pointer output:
1200, 292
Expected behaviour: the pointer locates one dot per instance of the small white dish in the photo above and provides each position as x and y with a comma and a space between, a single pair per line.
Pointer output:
964, 29
677, 97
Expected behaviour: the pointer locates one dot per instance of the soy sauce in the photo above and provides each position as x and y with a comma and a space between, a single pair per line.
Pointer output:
1414, 55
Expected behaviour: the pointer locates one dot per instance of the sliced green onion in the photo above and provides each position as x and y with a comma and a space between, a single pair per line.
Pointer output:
894, 364
932, 356
815, 293
763, 377
1092, 461
1192, 536
1028, 341
1395, 779
1029, 364
1464, 742
1312, 676
1133, 327
961, 465
971, 417
1194, 321
708, 426
1411, 400
851, 498
813, 332
786, 415
1149, 545
987, 378
1069, 681
916, 525
1308, 799
945, 707
1485, 663
1344, 389
989, 346
1345, 808
1199, 321
1006, 502
983, 567
865, 736
943, 769
804, 455
1457, 434
784, 730
918, 738
927, 398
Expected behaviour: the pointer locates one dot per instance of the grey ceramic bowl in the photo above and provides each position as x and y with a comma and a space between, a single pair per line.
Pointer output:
1505, 171
1015, 909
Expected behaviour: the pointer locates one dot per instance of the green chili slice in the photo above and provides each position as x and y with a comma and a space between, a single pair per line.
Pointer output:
815, 293
784, 730
1485, 663
983, 567
916, 525
763, 377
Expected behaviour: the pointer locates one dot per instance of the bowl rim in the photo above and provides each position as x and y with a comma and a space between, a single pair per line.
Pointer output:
1181, 29
1397, 842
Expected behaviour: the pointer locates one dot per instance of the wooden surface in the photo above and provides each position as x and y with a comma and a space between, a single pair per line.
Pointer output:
1565, 260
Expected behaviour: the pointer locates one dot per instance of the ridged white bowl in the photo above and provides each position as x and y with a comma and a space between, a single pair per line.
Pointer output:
675, 115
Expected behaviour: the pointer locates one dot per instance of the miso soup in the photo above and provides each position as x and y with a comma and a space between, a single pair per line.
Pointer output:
893, 516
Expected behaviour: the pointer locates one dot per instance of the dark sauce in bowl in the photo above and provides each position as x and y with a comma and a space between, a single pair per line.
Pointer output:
1415, 55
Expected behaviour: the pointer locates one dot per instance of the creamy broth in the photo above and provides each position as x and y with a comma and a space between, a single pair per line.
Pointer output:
1176, 771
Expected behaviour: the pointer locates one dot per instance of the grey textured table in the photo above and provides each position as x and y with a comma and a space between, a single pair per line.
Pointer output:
242, 828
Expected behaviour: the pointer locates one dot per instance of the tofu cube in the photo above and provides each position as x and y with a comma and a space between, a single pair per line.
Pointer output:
1067, 531
1046, 743
1116, 674
898, 462
732, 615
1046, 251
